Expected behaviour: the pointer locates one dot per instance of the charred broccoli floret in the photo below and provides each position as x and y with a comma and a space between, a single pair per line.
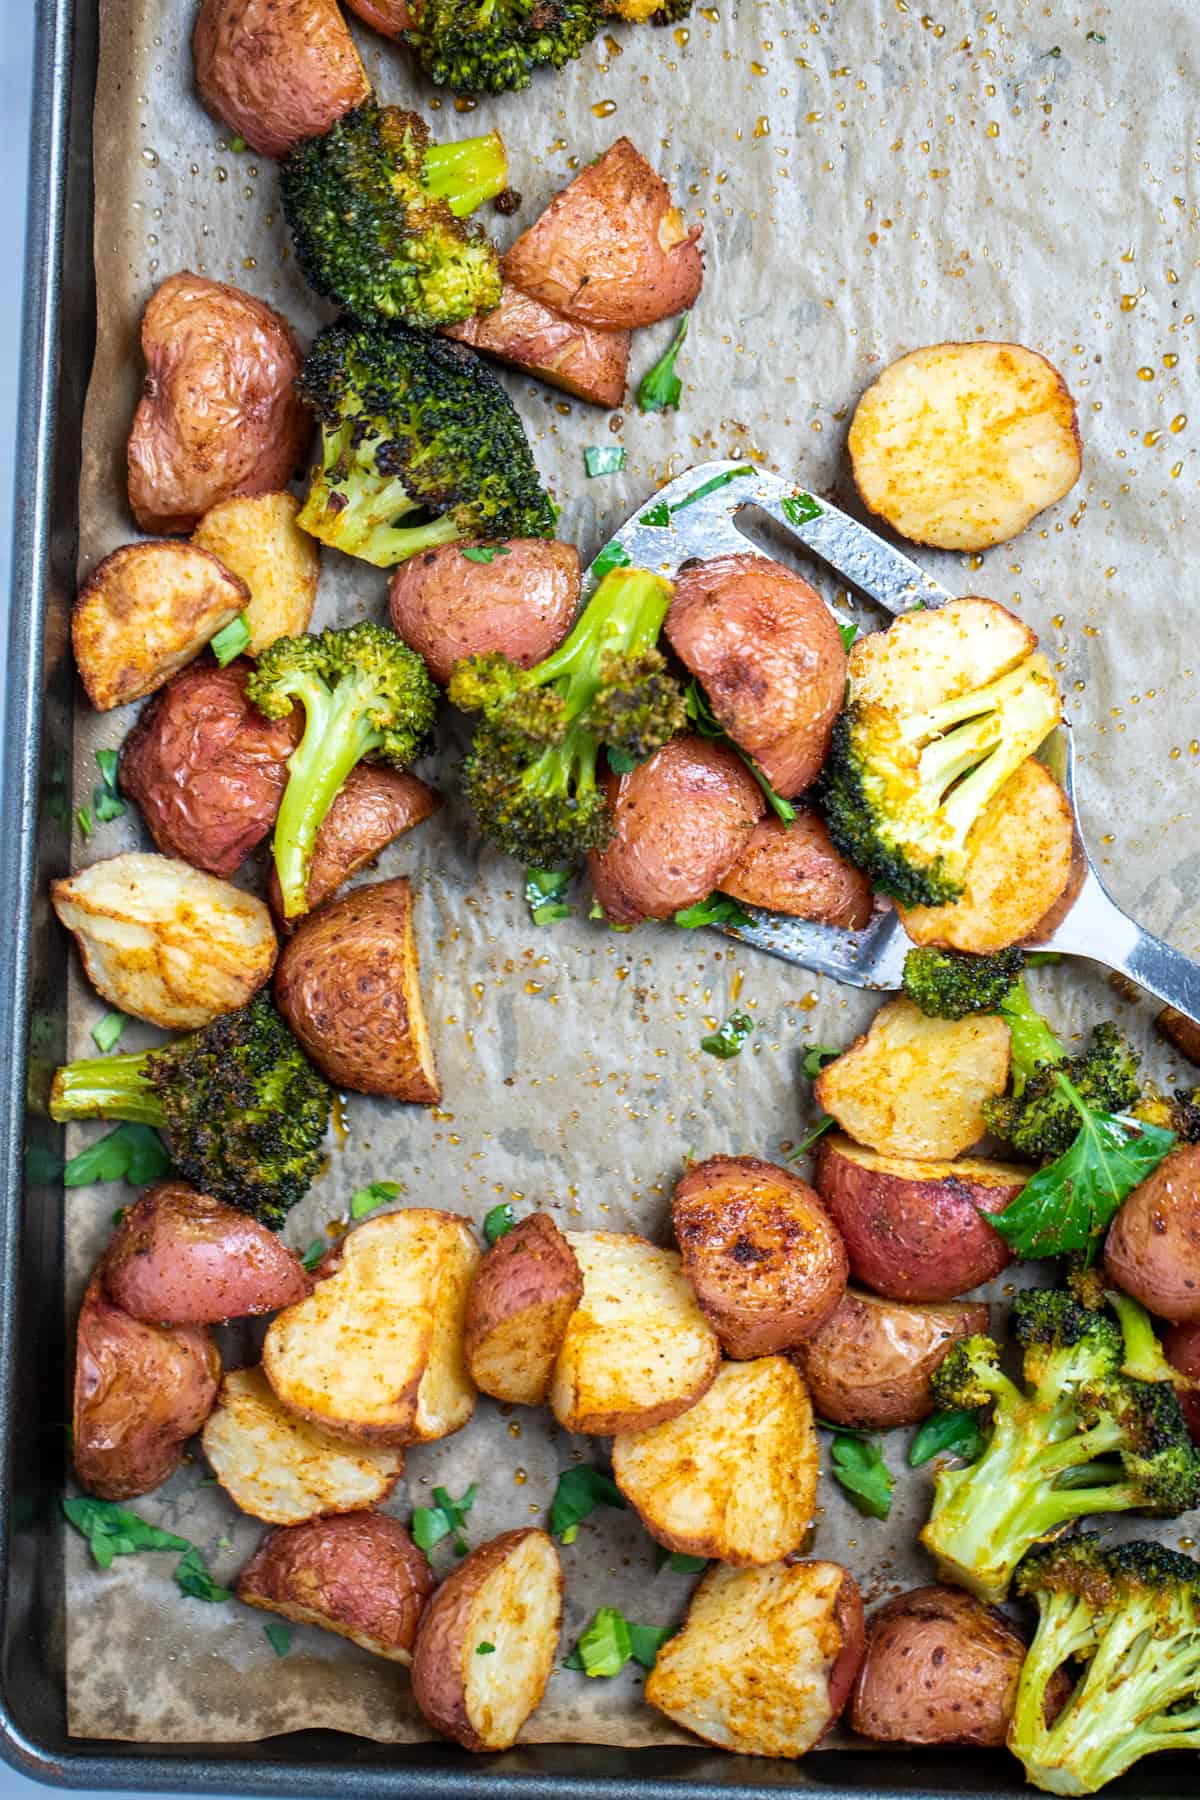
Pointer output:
530, 775
242, 1110
1130, 1615
376, 213
1040, 1116
491, 46
1084, 1439
951, 984
413, 425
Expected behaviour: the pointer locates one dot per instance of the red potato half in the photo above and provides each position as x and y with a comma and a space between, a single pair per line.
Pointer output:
276, 71
1182, 1348
522, 1296
390, 17
1153, 1246
769, 656
795, 869
870, 1365
680, 821
522, 603
940, 1668
581, 359
373, 807
358, 1574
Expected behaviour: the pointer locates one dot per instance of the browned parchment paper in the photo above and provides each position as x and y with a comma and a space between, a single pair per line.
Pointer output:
870, 177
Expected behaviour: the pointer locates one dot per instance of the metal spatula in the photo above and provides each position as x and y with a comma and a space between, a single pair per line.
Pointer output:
697, 516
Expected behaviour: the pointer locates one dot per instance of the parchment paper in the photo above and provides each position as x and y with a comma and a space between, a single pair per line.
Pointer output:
870, 178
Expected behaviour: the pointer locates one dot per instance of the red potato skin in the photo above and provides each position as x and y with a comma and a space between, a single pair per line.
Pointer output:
870, 1364
680, 821
795, 869
361, 1570
848, 1611
522, 603
768, 653
206, 768
374, 806
276, 71
583, 360
1181, 1346
1153, 1246
181, 1258
390, 17
950, 1671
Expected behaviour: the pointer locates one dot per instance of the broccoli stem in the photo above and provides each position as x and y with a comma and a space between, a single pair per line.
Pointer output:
337, 735
466, 174
1033, 1042
1120, 1709
106, 1087
623, 618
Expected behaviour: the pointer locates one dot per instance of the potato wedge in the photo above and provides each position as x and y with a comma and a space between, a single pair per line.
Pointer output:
1180, 1031
795, 869
144, 612
508, 1594
637, 1350
359, 1575
256, 535
940, 1668
373, 807
1181, 1345
164, 941
870, 1365
181, 1258
960, 445
375, 1352
583, 360
735, 1477
279, 1468
915, 1086
276, 71
763, 1255
766, 1658
521, 603
1152, 1250
522, 1296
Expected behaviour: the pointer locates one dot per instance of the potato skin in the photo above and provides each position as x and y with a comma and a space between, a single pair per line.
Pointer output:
795, 869
940, 1668
206, 768
522, 1295
179, 1257
522, 603
1181, 1346
357, 1574
768, 653
851, 1621
1182, 1032
141, 1391
870, 1364
374, 806
681, 819
583, 360
276, 71
766, 1260
1153, 1246
218, 414
390, 17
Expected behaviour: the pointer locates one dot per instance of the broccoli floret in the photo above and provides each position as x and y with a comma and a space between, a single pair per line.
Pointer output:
530, 775
376, 215
1130, 1615
411, 424
950, 984
648, 12
1041, 1115
1185, 1115
242, 1110
364, 694
1083, 1439
492, 46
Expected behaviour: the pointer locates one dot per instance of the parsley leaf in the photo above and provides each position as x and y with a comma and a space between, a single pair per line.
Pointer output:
718, 909
499, 1222
799, 508
661, 389
859, 1467
646, 1641
816, 1057
485, 1649
83, 819
678, 1561
579, 1492
610, 1640
112, 1531
824, 1123
544, 891
194, 1578
368, 1198
106, 1032
705, 720
279, 1637
231, 640
710, 487
604, 459
133, 1153
106, 801
484, 553
957, 1430
728, 1040
314, 1253
430, 1524
621, 762
613, 556
848, 634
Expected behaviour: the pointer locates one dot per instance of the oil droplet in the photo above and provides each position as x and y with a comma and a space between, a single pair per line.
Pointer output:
757, 68
604, 108
1129, 301
762, 126
993, 130
1178, 423
1176, 470
1151, 438
249, 262
464, 103
975, 561
1176, 753
682, 35
534, 987
514, 1428
808, 1001
711, 13
1145, 374
735, 986
519, 1477
337, 1114
1170, 360
150, 158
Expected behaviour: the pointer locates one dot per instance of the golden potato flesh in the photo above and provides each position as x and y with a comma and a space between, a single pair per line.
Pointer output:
276, 71
936, 654
144, 612
584, 360
522, 1296
257, 537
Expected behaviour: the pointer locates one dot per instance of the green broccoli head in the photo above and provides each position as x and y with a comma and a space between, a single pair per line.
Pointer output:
376, 214
412, 424
493, 46
969, 1375
1042, 1121
951, 984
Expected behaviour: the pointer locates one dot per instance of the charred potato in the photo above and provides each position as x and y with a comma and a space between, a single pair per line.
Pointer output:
141, 1391
359, 1575
256, 535
522, 603
374, 806
581, 359
871, 1364
680, 821
507, 1594
522, 1296
763, 1255
181, 1258
734, 1477
1182, 1032
146, 611
164, 941
348, 984
940, 1668
218, 414
610, 249
769, 656
276, 71
1153, 1246
795, 869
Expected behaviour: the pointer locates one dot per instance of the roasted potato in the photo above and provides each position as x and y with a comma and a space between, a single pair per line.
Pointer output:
960, 445
869, 1366
359, 1575
581, 359
164, 941
276, 71
916, 1230
1182, 1347
767, 651
522, 603
1153, 1246
281, 1469
181, 1258
915, 1087
374, 806
637, 1349
611, 249
766, 1658
795, 869
940, 1668
522, 1296
256, 535
933, 654
218, 414
507, 1594
734, 1477
1182, 1032
141, 1391
680, 821
1019, 862
375, 1354
390, 17
348, 984
763, 1255
144, 612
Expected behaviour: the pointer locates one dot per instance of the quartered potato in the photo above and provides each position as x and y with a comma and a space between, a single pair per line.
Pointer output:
734, 1477
164, 941
279, 1468
1152, 1250
960, 445
521, 1299
276, 71
935, 654
256, 535
374, 806
584, 360
522, 603
390, 17
1180, 1031
870, 1365
359, 1575
144, 612
940, 1668
795, 869
182, 1258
